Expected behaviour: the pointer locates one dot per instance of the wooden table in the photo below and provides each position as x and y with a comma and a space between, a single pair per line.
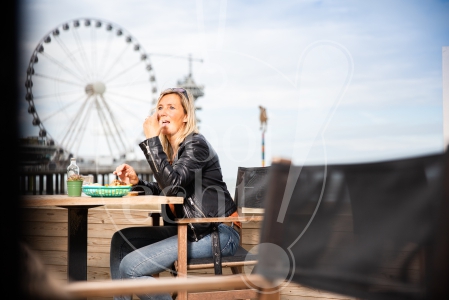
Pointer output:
77, 208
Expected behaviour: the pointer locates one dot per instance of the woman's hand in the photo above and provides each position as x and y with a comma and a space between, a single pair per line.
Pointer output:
126, 174
151, 126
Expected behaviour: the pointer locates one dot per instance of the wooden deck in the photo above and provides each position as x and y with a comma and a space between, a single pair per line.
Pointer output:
46, 233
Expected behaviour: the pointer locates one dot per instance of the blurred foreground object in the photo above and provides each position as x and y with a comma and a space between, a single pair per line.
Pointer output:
369, 230
35, 281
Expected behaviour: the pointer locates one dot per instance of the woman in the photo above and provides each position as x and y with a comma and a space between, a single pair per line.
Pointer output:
183, 164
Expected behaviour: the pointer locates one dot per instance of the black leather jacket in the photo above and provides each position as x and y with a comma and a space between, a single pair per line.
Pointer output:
195, 175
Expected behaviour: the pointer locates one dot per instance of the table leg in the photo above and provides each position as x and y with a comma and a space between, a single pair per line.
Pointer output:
182, 257
77, 244
155, 218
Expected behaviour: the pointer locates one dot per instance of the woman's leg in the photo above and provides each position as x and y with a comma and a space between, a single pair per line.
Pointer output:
160, 256
229, 242
129, 239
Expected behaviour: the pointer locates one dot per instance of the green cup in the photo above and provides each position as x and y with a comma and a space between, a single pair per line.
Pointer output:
74, 188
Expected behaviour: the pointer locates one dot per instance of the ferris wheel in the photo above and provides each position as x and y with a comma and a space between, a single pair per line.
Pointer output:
89, 86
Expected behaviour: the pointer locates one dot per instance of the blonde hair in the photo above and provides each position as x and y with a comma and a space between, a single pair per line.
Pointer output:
188, 105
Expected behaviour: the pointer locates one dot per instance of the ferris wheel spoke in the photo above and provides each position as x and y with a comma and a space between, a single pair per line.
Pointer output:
115, 62
134, 83
121, 73
79, 137
125, 109
93, 51
129, 97
84, 58
65, 107
74, 123
114, 122
56, 94
105, 55
62, 66
80, 130
58, 79
107, 124
70, 55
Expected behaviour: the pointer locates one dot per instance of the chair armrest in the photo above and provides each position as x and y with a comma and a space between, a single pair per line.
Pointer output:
218, 219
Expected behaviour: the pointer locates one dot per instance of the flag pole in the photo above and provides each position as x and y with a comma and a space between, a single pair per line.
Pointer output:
263, 148
263, 126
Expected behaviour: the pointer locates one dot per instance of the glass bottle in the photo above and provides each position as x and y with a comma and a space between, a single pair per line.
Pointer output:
73, 168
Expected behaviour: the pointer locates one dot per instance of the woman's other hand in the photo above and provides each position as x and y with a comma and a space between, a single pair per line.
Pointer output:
151, 126
126, 174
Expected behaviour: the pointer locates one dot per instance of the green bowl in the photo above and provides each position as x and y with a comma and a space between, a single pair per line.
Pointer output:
106, 191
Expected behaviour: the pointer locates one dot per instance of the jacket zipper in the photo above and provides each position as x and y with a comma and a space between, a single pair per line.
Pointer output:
189, 215
193, 204
152, 158
190, 224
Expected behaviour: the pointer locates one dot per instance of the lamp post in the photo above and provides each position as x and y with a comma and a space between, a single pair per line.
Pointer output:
263, 126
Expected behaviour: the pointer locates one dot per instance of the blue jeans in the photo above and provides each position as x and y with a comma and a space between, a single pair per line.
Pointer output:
139, 252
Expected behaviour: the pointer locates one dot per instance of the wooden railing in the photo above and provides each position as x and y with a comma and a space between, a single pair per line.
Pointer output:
51, 182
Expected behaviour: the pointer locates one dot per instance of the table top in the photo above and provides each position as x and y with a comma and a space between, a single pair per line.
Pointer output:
64, 200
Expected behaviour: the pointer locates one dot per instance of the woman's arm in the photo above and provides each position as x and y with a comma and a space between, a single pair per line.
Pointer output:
150, 188
127, 174
173, 180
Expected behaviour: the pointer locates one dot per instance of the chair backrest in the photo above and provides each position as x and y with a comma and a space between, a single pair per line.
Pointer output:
365, 230
250, 188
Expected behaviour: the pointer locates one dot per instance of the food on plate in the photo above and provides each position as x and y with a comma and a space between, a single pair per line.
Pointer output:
117, 182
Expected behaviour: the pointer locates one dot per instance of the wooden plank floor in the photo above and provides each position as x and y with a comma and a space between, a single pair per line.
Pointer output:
46, 233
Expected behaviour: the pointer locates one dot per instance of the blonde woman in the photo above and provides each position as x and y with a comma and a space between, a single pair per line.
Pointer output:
183, 164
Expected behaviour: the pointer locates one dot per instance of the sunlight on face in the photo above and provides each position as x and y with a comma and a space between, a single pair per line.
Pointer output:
171, 114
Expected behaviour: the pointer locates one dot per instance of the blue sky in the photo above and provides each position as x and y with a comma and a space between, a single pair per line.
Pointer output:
342, 81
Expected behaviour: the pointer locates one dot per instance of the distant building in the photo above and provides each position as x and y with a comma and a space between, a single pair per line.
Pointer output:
36, 152
197, 90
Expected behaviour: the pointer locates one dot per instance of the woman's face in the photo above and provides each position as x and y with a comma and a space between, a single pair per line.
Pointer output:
171, 114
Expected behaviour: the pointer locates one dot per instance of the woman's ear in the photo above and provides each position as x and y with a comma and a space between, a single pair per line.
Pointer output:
185, 119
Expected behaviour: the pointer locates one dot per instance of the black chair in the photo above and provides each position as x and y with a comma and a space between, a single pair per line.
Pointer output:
369, 230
